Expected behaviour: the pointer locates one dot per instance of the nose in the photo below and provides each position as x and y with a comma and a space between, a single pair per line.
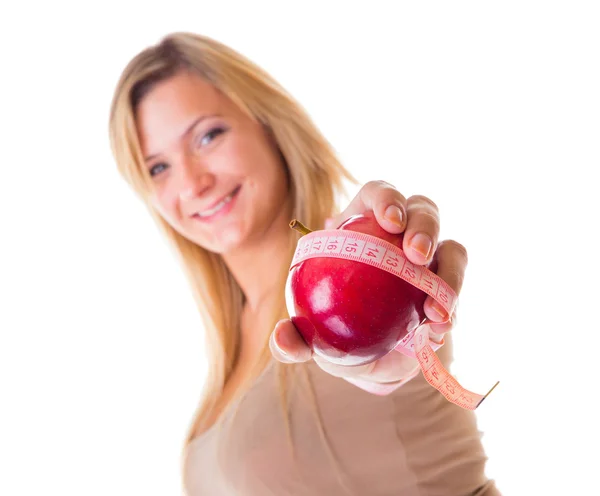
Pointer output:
194, 179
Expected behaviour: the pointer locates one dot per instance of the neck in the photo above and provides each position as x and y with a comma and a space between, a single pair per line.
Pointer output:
257, 268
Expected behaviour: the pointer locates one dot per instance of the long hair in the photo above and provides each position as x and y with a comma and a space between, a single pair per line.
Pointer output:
316, 179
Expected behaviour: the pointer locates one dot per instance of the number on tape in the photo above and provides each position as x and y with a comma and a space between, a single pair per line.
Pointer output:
371, 250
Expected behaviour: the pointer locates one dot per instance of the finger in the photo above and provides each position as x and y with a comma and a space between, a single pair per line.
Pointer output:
287, 345
438, 330
390, 368
422, 229
386, 202
451, 260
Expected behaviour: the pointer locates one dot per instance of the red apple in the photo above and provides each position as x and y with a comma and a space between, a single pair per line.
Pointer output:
349, 312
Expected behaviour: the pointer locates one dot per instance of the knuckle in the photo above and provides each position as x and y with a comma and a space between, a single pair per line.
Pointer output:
378, 184
428, 218
456, 276
456, 248
424, 199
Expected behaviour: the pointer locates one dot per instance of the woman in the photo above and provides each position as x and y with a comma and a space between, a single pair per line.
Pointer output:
224, 158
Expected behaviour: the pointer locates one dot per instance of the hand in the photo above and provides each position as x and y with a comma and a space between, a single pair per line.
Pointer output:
418, 218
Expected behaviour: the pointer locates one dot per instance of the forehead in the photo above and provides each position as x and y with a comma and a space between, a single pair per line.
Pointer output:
171, 106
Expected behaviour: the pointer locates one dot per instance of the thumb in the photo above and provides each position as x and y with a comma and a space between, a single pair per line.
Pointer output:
287, 345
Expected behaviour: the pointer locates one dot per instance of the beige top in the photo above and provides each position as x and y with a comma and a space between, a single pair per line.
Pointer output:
412, 442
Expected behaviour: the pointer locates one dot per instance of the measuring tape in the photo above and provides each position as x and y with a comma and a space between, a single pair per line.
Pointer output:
374, 251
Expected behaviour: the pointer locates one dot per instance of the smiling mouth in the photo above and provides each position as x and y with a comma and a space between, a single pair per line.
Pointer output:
219, 206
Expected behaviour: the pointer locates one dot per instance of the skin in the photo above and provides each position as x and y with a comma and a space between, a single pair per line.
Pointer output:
227, 149
419, 216
193, 172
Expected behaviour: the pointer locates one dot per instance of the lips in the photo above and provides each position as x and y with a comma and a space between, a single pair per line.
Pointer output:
217, 207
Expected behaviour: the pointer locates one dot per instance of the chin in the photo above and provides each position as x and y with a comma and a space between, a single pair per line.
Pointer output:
226, 242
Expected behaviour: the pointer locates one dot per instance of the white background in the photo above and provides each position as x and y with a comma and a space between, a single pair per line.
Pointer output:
491, 110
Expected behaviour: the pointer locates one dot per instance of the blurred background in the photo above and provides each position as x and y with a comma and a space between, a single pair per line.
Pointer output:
490, 109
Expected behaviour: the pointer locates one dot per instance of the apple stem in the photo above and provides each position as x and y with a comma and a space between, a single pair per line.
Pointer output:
301, 228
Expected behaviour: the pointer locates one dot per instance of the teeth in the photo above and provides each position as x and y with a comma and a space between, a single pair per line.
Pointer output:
217, 207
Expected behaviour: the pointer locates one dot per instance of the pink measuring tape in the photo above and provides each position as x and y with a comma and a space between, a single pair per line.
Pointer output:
371, 250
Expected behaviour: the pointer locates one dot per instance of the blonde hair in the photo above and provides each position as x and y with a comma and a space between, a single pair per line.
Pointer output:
316, 177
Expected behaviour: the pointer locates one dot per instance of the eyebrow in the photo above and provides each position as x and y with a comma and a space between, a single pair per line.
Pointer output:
186, 132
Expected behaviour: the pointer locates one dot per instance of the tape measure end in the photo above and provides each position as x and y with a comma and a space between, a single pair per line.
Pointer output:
487, 394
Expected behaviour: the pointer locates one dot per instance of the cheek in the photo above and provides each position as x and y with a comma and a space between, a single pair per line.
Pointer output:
268, 171
165, 203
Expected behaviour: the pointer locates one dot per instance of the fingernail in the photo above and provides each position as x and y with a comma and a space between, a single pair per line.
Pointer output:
394, 214
276, 339
437, 308
422, 243
328, 223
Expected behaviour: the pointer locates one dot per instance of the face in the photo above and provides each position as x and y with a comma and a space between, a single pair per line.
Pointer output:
218, 177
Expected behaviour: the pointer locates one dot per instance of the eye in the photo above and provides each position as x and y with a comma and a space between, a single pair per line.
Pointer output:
157, 169
207, 138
